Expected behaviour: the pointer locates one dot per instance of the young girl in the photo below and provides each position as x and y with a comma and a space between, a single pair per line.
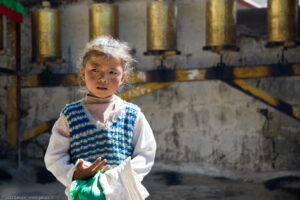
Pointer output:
101, 130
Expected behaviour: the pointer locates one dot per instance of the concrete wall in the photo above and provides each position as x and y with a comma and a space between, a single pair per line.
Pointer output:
199, 126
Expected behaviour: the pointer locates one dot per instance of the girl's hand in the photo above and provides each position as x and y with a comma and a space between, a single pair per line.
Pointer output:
85, 172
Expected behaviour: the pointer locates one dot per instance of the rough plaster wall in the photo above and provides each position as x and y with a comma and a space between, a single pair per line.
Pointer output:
205, 123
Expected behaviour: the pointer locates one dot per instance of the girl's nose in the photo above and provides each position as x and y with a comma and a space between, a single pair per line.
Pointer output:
103, 77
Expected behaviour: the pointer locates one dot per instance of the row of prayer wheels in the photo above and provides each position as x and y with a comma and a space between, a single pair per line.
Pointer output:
103, 20
221, 21
161, 26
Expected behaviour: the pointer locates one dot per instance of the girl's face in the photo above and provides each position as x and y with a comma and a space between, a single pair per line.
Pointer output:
102, 75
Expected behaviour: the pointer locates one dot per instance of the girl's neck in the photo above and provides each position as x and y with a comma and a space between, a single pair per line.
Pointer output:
96, 100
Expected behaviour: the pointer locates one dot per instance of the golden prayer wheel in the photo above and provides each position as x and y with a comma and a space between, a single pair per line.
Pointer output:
220, 25
46, 35
104, 20
1, 34
161, 26
282, 22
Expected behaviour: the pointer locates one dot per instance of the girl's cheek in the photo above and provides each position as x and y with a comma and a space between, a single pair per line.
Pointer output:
93, 76
115, 78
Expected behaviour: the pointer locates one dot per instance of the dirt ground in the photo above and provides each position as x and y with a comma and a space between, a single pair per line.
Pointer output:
33, 181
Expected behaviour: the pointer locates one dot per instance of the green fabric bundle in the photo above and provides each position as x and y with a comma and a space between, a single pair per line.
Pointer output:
89, 189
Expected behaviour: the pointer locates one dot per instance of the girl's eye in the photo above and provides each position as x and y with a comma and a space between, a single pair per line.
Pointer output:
112, 73
94, 70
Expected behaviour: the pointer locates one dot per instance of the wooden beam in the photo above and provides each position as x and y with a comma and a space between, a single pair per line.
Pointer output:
50, 80
169, 75
143, 90
296, 69
215, 73
265, 97
7, 71
37, 130
12, 112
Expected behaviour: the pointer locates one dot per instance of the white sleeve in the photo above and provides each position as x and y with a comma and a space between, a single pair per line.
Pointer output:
57, 158
144, 147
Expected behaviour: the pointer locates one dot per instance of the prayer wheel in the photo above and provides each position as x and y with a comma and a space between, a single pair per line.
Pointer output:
161, 26
46, 35
1, 34
282, 22
104, 20
220, 25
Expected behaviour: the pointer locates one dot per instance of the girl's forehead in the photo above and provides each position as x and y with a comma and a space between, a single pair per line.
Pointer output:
100, 58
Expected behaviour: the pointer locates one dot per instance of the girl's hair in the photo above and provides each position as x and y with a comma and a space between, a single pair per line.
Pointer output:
109, 47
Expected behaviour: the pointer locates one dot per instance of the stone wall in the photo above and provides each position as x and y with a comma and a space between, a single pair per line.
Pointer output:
198, 125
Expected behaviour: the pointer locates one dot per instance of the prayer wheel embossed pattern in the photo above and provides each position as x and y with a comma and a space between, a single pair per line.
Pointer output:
282, 21
46, 35
104, 20
220, 23
161, 26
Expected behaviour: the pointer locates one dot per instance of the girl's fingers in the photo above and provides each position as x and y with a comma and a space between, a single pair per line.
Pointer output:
100, 166
107, 167
86, 164
97, 165
80, 163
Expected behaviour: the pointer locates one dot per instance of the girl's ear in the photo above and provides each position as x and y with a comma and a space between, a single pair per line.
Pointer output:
123, 77
82, 73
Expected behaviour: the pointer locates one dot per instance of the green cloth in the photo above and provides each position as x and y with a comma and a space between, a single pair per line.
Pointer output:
14, 5
87, 189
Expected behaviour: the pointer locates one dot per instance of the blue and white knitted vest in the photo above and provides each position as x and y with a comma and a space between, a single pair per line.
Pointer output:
113, 142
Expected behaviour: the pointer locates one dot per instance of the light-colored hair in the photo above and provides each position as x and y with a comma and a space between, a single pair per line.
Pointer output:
108, 47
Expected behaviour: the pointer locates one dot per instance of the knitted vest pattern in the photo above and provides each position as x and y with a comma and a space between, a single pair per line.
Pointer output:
112, 142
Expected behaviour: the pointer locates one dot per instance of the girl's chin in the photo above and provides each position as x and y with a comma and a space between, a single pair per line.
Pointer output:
100, 95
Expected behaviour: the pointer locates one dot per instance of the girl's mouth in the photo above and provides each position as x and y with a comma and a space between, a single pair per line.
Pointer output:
101, 88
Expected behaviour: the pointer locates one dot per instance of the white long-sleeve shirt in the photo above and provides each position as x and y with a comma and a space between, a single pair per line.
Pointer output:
102, 111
